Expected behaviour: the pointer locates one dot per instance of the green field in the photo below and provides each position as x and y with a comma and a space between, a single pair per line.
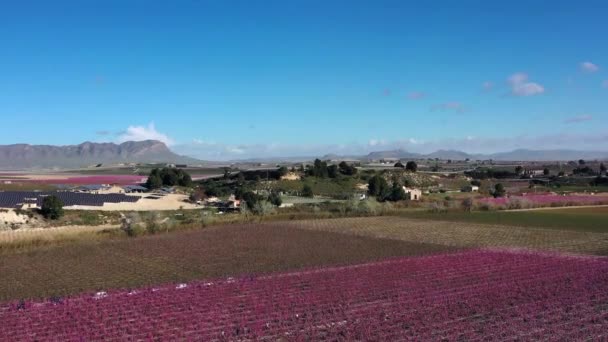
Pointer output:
576, 219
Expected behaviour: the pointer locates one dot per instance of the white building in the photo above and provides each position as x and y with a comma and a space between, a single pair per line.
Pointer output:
413, 194
470, 188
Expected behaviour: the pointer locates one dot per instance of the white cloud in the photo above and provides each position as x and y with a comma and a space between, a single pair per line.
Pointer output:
521, 87
376, 142
589, 67
579, 118
487, 85
236, 150
139, 133
416, 95
605, 84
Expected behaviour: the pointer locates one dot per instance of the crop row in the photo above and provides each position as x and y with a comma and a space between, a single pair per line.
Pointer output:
548, 199
472, 295
461, 234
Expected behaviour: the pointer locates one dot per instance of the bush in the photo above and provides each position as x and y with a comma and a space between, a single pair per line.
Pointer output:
152, 226
275, 199
437, 207
263, 208
52, 208
307, 191
467, 204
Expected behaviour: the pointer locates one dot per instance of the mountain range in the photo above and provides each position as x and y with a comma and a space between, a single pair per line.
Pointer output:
515, 155
25, 156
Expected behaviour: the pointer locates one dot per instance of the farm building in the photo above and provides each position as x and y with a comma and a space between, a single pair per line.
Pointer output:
470, 188
533, 173
134, 189
413, 194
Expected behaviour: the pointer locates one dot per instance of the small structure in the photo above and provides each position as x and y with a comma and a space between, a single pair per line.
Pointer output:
533, 173
360, 196
470, 188
134, 189
92, 188
413, 194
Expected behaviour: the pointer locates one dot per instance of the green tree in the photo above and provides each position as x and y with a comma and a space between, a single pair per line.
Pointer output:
399, 164
411, 166
251, 199
602, 168
154, 181
519, 169
377, 186
397, 193
318, 169
499, 190
307, 191
348, 170
169, 177
282, 171
52, 207
185, 179
546, 171
332, 171
240, 178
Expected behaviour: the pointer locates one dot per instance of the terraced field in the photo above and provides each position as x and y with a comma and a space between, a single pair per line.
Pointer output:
462, 234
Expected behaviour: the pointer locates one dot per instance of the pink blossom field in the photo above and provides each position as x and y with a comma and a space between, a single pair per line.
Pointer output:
474, 295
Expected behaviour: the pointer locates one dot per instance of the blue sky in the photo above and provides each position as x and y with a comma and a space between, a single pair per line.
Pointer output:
236, 79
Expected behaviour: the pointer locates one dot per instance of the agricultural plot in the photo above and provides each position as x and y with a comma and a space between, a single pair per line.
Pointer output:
592, 219
462, 234
548, 200
466, 296
184, 256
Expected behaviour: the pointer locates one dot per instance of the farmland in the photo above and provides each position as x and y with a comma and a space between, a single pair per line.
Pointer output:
184, 256
548, 200
463, 234
474, 295
568, 218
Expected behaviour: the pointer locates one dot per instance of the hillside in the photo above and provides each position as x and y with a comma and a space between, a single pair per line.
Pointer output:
25, 156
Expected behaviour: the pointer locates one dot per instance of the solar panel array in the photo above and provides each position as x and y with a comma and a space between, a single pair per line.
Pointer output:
14, 199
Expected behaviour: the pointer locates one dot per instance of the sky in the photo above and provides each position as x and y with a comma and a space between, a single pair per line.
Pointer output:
239, 79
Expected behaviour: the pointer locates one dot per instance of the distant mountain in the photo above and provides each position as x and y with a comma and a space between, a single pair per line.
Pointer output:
450, 154
399, 154
24, 156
